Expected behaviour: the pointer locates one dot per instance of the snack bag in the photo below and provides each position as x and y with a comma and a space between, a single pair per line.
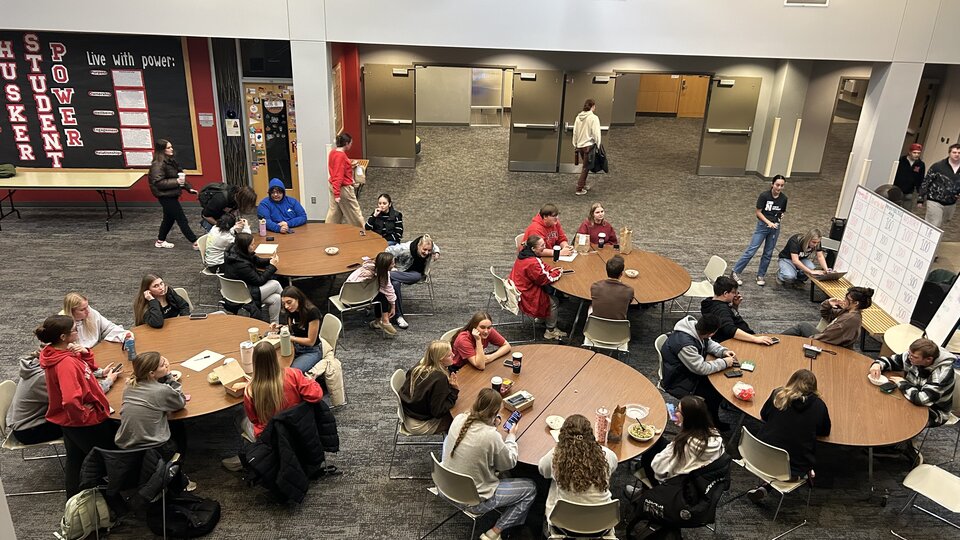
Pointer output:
626, 240
616, 424
743, 391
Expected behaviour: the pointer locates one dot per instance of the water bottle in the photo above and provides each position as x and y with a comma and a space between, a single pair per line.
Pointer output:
286, 345
263, 227
130, 345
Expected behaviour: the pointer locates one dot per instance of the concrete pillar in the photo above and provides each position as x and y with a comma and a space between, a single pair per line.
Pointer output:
314, 105
882, 127
786, 103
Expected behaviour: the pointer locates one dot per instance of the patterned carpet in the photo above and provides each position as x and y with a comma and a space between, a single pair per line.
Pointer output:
463, 195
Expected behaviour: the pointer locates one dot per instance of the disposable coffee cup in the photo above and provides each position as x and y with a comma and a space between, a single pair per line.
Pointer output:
601, 239
556, 253
254, 334
496, 383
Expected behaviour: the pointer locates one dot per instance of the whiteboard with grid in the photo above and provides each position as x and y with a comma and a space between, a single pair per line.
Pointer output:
888, 249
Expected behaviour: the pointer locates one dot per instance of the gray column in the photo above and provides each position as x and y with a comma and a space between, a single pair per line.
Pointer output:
786, 102
312, 87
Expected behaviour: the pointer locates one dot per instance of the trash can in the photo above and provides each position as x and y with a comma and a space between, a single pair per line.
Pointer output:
837, 226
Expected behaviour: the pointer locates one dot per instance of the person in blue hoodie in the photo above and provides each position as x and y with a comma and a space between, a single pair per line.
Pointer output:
281, 212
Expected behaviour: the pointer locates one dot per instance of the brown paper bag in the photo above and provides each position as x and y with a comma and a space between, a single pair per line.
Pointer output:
582, 243
626, 240
616, 424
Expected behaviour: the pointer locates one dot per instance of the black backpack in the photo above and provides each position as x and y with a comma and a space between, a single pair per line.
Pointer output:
687, 500
188, 516
210, 191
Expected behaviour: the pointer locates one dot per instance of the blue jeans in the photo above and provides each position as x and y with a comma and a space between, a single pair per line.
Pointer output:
761, 235
400, 278
304, 357
788, 272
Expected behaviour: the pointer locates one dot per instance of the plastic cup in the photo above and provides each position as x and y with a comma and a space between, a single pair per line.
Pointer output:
496, 383
556, 253
254, 334
601, 240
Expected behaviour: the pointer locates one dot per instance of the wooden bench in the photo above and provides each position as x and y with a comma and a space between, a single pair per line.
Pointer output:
105, 183
876, 321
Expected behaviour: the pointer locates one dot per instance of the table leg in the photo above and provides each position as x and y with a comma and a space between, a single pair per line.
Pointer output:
662, 307
576, 319
13, 208
112, 193
812, 287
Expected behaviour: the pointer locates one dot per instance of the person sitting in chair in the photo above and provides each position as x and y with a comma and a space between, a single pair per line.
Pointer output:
843, 316
412, 260
281, 211
532, 278
928, 377
725, 305
610, 297
546, 225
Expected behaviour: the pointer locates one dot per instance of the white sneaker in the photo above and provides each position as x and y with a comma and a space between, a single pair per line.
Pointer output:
580, 192
162, 244
736, 277
191, 486
402, 323
760, 281
232, 464
554, 333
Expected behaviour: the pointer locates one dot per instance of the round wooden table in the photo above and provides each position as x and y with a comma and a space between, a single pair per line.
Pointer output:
861, 415
179, 340
301, 253
564, 381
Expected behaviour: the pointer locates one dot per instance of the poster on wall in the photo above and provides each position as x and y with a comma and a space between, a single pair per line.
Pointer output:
337, 99
87, 101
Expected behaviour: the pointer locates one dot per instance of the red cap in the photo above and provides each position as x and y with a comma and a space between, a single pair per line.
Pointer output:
914, 147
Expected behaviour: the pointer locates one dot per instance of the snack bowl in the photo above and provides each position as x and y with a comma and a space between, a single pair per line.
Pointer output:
882, 379
636, 411
554, 421
175, 375
331, 250
631, 273
641, 432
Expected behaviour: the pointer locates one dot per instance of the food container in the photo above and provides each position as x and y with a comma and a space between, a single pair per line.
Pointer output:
743, 391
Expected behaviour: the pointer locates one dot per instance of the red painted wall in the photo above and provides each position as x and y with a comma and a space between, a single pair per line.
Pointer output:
202, 86
348, 56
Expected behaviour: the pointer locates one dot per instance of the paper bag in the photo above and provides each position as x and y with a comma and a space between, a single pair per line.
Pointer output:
582, 243
616, 424
626, 240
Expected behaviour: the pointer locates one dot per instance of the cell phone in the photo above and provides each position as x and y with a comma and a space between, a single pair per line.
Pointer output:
118, 368
672, 412
508, 362
733, 373
735, 364
353, 265
568, 271
290, 231
888, 387
512, 421
197, 316
775, 340
270, 239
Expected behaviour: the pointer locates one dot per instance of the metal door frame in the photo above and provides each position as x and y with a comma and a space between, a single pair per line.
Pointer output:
392, 162
706, 112
570, 168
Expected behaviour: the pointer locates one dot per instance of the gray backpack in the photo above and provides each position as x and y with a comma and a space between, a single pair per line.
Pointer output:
84, 513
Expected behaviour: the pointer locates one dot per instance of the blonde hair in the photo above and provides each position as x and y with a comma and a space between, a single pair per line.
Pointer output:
802, 383
144, 364
72, 301
485, 407
266, 388
807, 238
432, 361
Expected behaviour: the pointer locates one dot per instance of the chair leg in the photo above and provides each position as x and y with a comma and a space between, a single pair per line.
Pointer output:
788, 531
929, 513
909, 502
393, 455
444, 522
779, 504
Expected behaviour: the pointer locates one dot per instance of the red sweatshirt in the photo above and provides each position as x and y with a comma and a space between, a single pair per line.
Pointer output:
341, 172
76, 399
551, 235
296, 388
591, 228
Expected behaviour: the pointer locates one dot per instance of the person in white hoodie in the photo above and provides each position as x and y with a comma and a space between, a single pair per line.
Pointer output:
586, 134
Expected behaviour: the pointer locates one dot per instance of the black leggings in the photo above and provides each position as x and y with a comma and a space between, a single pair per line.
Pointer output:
172, 211
79, 441
46, 431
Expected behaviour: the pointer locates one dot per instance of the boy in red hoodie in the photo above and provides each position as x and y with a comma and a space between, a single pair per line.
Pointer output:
546, 225
77, 401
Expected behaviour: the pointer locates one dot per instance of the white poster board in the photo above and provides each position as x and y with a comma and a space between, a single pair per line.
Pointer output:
945, 319
888, 249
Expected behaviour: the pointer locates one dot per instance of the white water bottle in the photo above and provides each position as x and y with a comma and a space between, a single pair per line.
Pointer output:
286, 345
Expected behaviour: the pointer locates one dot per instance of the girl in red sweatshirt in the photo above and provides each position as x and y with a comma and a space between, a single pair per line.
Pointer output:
77, 402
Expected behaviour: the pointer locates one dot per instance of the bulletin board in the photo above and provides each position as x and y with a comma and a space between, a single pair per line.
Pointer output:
86, 101
888, 249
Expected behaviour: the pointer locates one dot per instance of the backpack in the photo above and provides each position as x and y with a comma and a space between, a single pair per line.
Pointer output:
210, 191
188, 516
687, 500
83, 514
7, 171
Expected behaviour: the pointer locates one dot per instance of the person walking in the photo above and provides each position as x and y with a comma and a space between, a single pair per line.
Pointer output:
167, 180
770, 208
344, 207
940, 188
909, 177
586, 135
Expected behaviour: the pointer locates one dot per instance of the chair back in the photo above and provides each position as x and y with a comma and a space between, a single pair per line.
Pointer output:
457, 487
7, 390
359, 292
585, 518
607, 333
234, 290
185, 295
518, 241
956, 399
716, 267
763, 458
448, 335
330, 330
396, 382
658, 344
499, 290
202, 249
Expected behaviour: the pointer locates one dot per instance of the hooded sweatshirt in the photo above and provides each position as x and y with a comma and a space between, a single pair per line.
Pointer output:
684, 358
29, 406
143, 415
288, 209
666, 466
586, 130
551, 235
930, 386
76, 399
796, 429
730, 319
530, 274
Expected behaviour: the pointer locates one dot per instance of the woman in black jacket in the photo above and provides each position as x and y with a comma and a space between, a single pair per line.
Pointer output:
166, 182
429, 391
242, 263
386, 220
156, 302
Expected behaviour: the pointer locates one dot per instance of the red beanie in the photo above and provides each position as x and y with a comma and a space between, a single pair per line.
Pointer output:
914, 147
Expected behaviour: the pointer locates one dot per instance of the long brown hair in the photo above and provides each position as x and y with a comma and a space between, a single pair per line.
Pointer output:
802, 383
72, 301
381, 267
474, 322
139, 302
432, 361
304, 305
697, 426
143, 365
266, 388
160, 150
578, 460
485, 407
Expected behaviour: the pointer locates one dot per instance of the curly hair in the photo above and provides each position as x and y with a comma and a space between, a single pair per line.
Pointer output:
578, 460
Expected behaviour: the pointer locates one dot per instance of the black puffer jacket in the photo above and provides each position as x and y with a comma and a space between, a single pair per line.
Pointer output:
163, 178
245, 268
290, 451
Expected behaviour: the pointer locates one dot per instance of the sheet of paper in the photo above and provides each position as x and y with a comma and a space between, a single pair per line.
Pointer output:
569, 258
266, 249
202, 360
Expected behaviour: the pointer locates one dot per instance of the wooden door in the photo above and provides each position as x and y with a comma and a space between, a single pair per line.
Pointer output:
693, 96
658, 93
272, 136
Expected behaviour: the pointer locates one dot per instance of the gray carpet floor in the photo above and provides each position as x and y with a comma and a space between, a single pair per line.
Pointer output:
462, 193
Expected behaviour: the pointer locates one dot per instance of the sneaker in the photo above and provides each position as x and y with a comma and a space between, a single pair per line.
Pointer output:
580, 192
760, 281
554, 333
490, 535
402, 323
736, 277
388, 328
191, 486
781, 282
631, 492
163, 244
799, 285
232, 464
757, 495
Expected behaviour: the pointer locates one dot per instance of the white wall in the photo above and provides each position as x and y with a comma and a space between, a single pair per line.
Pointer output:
945, 120
311, 77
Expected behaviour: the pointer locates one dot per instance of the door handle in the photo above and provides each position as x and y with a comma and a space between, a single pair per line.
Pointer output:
554, 126
567, 126
604, 128
725, 131
390, 121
